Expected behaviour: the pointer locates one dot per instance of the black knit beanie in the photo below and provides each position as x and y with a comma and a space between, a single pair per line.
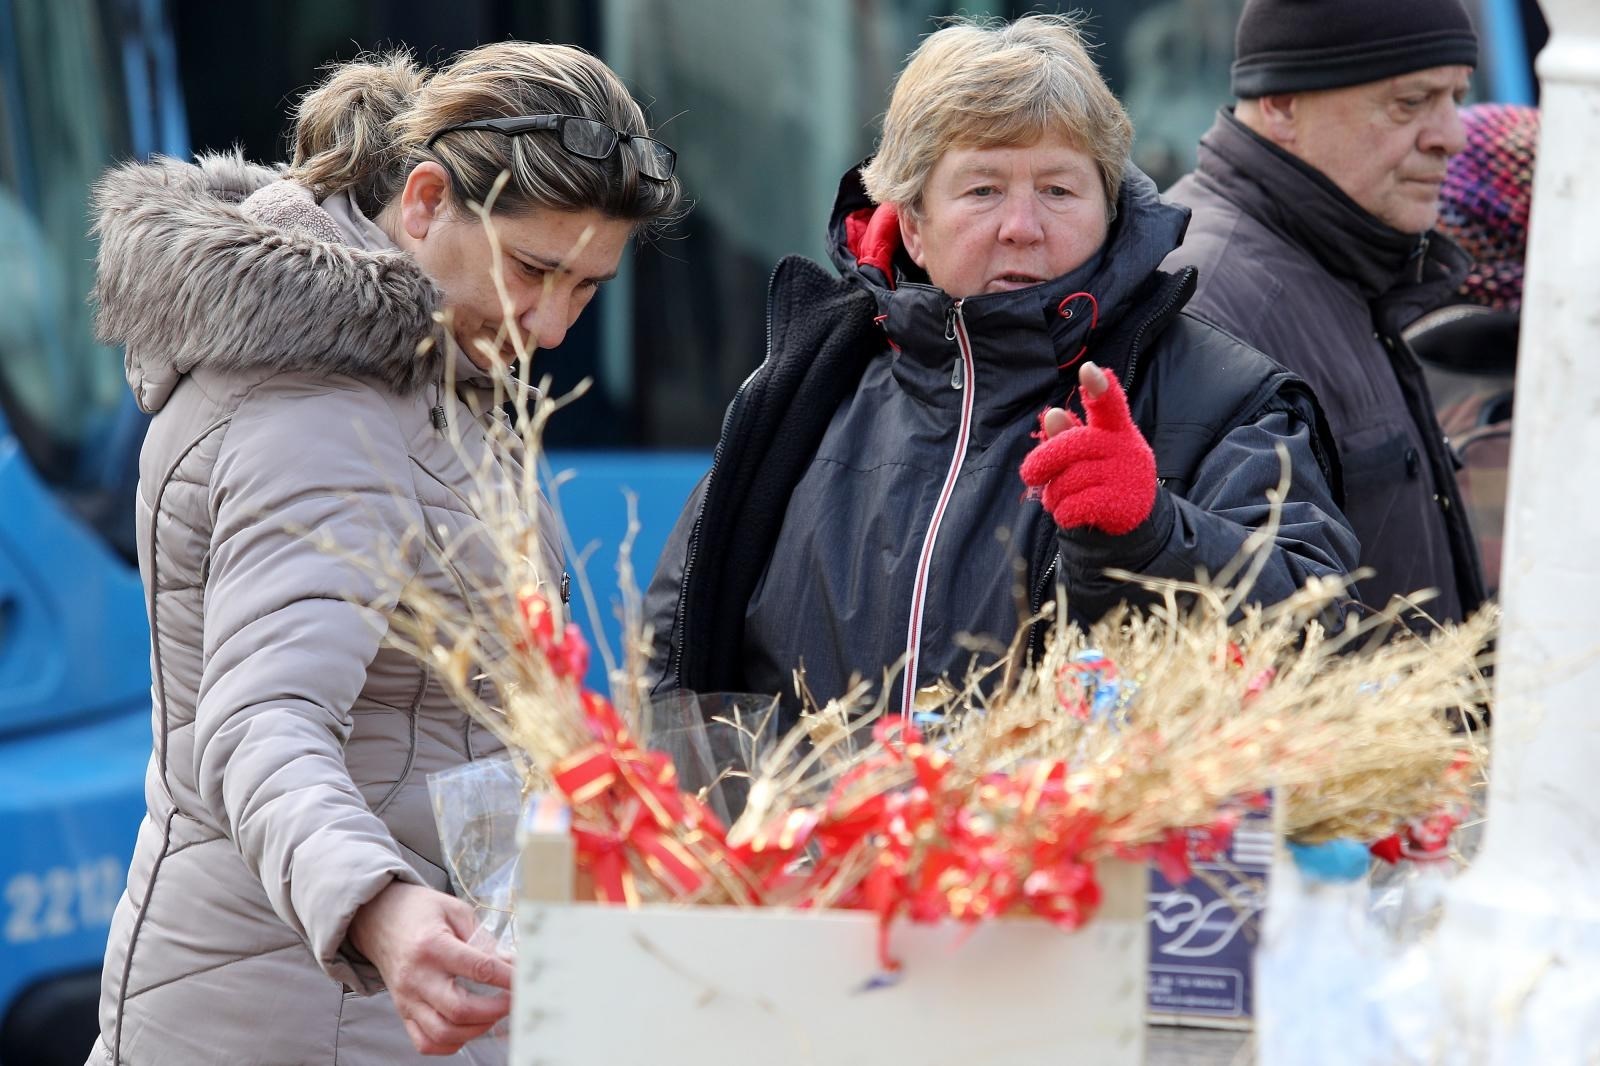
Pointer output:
1287, 46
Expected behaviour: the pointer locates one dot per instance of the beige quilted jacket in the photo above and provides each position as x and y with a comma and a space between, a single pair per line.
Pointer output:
275, 341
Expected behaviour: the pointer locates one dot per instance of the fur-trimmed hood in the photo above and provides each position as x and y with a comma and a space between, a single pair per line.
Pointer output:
186, 277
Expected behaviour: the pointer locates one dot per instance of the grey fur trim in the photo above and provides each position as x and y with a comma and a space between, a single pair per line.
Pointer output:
185, 279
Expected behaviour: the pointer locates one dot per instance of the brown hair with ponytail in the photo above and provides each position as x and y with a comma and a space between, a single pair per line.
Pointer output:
364, 127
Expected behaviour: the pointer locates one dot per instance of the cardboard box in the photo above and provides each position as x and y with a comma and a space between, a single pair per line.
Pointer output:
1202, 941
721, 986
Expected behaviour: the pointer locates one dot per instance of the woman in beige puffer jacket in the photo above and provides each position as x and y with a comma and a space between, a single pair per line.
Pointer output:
316, 414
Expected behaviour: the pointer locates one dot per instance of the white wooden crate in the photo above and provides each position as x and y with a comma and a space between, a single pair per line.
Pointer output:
715, 986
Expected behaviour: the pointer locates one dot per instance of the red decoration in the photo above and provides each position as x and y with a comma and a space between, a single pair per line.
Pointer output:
626, 800
1429, 838
569, 656
1389, 849
942, 846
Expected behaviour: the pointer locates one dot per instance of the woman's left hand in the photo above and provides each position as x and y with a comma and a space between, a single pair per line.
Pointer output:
1100, 473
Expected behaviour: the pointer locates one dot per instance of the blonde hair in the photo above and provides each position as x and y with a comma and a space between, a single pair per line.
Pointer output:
989, 84
365, 127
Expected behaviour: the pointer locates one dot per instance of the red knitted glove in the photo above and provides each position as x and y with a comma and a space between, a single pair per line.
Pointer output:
1102, 474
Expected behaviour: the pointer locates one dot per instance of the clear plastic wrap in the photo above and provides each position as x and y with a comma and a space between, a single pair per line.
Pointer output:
714, 740
1319, 957
477, 807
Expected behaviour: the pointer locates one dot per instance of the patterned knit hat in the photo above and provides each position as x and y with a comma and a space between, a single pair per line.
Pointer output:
1484, 204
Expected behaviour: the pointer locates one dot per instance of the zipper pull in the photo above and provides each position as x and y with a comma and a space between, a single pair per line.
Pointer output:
1422, 256
958, 374
436, 412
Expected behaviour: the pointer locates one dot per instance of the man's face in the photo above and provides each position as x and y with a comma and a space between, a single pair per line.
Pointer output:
1385, 143
1000, 219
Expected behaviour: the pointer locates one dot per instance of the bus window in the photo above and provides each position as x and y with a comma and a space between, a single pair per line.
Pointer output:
62, 120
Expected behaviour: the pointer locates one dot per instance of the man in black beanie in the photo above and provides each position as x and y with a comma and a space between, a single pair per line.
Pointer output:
1314, 201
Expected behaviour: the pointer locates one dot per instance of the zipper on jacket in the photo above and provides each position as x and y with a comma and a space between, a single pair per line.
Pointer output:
1041, 589
956, 330
958, 377
436, 413
1162, 312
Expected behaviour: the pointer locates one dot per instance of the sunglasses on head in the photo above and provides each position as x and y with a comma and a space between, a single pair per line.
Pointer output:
588, 138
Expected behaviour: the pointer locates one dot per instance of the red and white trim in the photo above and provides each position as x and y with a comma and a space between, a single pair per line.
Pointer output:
919, 591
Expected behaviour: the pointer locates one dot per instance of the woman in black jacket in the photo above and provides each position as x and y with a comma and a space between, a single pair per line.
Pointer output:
998, 256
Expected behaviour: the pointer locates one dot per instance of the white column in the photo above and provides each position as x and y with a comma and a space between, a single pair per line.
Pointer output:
1520, 941
1544, 825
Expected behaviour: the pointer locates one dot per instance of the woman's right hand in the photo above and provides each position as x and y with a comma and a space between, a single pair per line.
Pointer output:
418, 939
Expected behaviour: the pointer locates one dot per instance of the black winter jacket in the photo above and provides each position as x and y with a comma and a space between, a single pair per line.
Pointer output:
864, 505
1293, 267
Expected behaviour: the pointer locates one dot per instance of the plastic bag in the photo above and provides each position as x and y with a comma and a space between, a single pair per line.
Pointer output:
477, 808
716, 741
1318, 950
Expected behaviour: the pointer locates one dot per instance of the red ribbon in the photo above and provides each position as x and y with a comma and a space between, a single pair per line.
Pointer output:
1389, 849
627, 803
943, 847
568, 657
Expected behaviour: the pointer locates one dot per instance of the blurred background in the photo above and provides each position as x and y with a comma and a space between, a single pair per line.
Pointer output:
767, 103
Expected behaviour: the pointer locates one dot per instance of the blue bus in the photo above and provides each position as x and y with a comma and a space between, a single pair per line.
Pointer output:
80, 84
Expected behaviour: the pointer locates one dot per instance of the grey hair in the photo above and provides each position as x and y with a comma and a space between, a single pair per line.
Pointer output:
988, 83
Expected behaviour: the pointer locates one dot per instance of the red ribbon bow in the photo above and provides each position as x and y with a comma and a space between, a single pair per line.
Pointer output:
626, 801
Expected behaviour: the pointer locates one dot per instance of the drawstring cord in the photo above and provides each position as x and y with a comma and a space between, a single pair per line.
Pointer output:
1066, 313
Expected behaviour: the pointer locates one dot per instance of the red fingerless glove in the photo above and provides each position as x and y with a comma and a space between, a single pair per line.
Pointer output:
1100, 474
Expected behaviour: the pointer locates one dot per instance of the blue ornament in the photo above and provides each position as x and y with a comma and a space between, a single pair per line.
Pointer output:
1105, 691
1331, 863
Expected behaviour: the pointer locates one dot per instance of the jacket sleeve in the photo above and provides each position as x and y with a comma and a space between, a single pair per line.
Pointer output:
1206, 529
666, 588
290, 627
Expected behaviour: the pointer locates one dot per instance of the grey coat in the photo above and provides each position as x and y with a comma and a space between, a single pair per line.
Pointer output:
1292, 266
276, 344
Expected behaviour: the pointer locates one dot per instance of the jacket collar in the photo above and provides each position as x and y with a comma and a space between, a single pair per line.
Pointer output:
1024, 342
188, 278
1303, 204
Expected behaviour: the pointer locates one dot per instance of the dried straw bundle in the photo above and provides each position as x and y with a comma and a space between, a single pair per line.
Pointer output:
1215, 700
1354, 735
